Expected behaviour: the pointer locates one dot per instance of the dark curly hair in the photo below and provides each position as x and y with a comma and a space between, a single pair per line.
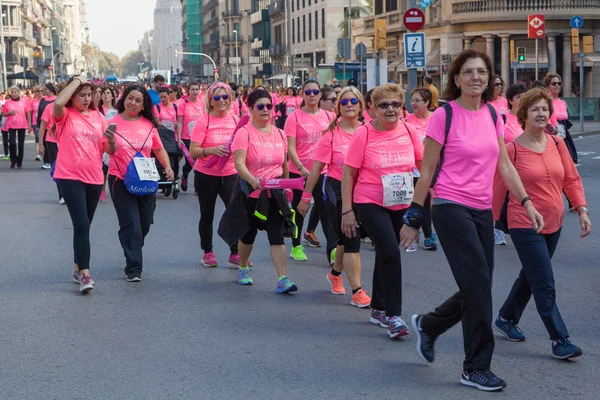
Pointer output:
147, 110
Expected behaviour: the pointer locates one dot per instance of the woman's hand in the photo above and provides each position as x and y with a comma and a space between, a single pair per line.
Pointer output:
586, 224
109, 133
41, 149
407, 235
349, 224
169, 174
256, 183
537, 221
303, 208
304, 172
220, 151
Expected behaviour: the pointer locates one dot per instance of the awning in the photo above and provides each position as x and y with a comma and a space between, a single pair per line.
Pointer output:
590, 60
281, 77
393, 65
432, 59
19, 75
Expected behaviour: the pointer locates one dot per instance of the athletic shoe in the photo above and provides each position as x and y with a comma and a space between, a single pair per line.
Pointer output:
361, 299
425, 344
397, 327
234, 261
337, 283
509, 330
77, 278
243, 277
564, 349
499, 239
311, 239
209, 260
103, 196
5, 158
412, 247
379, 317
85, 284
332, 257
482, 379
19, 166
286, 286
38, 157
13, 166
61, 201
134, 277
184, 183
430, 243
297, 254
46, 166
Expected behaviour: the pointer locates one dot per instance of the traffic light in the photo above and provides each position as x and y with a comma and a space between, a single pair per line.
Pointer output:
575, 41
380, 34
512, 51
521, 54
588, 44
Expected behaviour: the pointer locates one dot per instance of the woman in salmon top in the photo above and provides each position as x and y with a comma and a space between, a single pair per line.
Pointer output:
499, 102
331, 152
80, 132
209, 137
190, 111
17, 112
462, 212
304, 129
421, 101
135, 131
381, 159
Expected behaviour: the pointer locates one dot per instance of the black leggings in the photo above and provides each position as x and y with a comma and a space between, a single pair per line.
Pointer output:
187, 168
320, 205
427, 211
334, 214
5, 142
52, 154
81, 200
16, 153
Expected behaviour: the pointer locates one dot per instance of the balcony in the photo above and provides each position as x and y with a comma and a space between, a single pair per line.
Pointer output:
259, 16
12, 58
277, 8
206, 8
277, 50
231, 14
212, 45
232, 39
210, 24
502, 10
12, 31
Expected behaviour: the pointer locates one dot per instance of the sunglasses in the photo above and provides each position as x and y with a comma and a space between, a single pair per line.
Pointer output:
261, 107
556, 83
499, 84
332, 99
221, 96
385, 106
314, 91
353, 101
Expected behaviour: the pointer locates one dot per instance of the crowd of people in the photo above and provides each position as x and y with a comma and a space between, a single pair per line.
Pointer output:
372, 173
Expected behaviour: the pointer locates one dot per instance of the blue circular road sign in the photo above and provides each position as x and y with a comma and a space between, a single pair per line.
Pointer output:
577, 22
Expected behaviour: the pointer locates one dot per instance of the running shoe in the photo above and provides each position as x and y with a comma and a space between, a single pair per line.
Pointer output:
425, 344
286, 286
509, 330
85, 284
184, 184
397, 327
5, 158
77, 278
499, 239
38, 157
19, 166
134, 277
209, 260
430, 243
482, 379
379, 317
61, 201
412, 247
361, 299
337, 283
243, 277
103, 196
234, 261
311, 239
46, 166
13, 166
564, 349
297, 254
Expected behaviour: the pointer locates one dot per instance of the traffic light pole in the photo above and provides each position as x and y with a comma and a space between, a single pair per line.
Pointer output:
581, 94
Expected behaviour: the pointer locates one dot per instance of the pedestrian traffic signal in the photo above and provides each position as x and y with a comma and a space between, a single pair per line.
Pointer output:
380, 34
520, 54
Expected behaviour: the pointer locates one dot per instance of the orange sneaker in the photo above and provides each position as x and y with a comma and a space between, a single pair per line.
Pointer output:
361, 299
337, 283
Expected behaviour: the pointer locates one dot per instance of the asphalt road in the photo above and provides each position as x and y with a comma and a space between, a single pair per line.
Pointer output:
190, 332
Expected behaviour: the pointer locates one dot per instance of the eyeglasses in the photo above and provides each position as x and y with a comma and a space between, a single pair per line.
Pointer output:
332, 99
221, 96
353, 101
38, 91
385, 106
556, 83
499, 84
261, 107
314, 91
416, 101
471, 72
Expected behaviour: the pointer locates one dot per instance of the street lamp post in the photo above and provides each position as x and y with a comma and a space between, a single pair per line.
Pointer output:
52, 29
3, 49
237, 69
140, 66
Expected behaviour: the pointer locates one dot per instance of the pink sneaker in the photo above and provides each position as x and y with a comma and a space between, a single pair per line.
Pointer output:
234, 261
103, 196
209, 260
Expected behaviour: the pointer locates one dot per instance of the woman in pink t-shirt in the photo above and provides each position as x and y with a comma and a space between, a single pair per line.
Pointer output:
331, 153
38, 92
135, 130
473, 149
80, 131
260, 152
209, 137
377, 182
17, 112
370, 110
499, 102
290, 100
190, 111
303, 129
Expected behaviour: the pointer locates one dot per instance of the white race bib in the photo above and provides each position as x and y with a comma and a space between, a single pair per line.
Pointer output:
562, 133
290, 110
397, 189
146, 169
191, 126
169, 125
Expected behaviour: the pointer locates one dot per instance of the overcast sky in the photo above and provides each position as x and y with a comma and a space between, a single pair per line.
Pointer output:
117, 25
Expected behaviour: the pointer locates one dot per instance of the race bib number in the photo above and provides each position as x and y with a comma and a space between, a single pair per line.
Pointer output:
146, 169
562, 133
191, 126
169, 125
397, 189
290, 110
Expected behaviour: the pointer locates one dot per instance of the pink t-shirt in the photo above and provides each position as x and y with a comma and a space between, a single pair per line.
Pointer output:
137, 133
332, 150
191, 112
33, 106
48, 118
291, 104
167, 115
265, 153
470, 155
235, 107
307, 129
80, 138
501, 105
21, 108
367, 117
211, 131
420, 124
560, 109
513, 128
379, 154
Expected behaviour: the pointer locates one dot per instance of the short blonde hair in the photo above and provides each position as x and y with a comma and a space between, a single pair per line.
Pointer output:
211, 92
531, 97
388, 90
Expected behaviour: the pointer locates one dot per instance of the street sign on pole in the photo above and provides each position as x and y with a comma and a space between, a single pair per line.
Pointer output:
414, 19
360, 50
536, 27
414, 50
343, 46
577, 22
423, 4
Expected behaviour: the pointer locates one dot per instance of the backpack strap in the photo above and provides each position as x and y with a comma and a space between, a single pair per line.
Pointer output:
175, 107
493, 112
158, 108
240, 107
448, 109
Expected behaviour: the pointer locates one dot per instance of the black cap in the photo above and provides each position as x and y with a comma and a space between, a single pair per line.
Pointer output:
51, 88
352, 82
159, 78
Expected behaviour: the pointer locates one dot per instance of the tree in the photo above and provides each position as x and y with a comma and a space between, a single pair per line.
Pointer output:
361, 10
108, 62
129, 63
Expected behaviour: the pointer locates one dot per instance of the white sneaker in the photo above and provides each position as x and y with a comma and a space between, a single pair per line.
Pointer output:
38, 157
412, 247
499, 239
46, 166
61, 201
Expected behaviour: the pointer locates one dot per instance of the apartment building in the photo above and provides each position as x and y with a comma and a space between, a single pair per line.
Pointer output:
167, 35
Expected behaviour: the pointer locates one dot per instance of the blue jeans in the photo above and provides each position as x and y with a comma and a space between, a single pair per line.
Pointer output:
536, 277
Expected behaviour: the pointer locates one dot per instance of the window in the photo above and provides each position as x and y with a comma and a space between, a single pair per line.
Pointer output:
292, 5
293, 30
304, 28
323, 23
309, 26
391, 5
298, 25
303, 3
309, 3
316, 24
297, 4
378, 7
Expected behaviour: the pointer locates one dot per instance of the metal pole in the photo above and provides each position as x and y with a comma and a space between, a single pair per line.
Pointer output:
514, 74
3, 50
581, 94
237, 62
537, 61
51, 55
23, 58
377, 77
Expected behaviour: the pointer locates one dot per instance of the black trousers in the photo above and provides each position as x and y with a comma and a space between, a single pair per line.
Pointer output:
16, 153
5, 142
334, 216
313, 220
187, 168
320, 205
427, 211
208, 187
52, 151
467, 237
81, 200
536, 277
384, 227
135, 215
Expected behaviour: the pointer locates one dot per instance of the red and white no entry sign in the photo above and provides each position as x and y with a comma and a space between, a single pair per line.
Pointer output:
414, 19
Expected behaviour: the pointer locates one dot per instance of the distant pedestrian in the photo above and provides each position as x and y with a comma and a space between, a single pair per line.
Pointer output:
435, 94
17, 112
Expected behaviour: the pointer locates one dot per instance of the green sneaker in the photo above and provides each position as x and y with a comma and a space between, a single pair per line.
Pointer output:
243, 276
5, 158
298, 254
332, 257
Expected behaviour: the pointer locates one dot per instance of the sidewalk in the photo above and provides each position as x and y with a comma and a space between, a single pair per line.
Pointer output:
590, 128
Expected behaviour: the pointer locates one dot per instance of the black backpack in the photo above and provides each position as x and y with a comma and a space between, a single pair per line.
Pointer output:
43, 104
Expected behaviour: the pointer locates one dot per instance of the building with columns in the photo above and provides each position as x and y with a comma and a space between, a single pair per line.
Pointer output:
490, 26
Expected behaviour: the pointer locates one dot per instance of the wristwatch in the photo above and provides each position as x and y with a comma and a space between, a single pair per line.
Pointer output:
583, 209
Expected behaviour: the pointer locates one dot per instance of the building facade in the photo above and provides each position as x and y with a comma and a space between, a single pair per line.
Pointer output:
167, 35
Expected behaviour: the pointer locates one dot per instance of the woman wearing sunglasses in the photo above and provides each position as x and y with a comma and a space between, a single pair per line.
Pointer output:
499, 102
304, 129
209, 137
377, 182
190, 111
331, 153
